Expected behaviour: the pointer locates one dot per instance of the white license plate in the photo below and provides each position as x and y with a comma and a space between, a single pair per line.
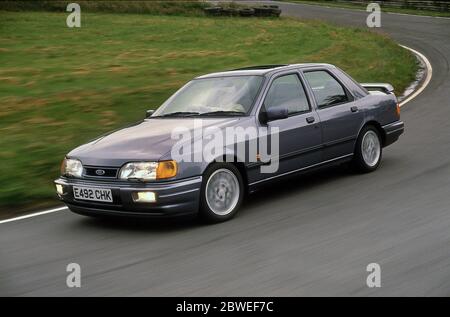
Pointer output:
92, 193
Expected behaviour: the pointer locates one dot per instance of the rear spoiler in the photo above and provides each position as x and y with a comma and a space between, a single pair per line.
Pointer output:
386, 88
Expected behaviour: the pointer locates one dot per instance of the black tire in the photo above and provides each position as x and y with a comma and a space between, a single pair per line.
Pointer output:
214, 11
262, 11
205, 212
358, 163
230, 12
246, 12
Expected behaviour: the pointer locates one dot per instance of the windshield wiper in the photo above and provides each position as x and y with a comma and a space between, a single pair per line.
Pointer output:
226, 112
178, 113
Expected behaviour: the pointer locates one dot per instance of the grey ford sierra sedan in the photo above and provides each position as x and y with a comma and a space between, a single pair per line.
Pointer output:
320, 116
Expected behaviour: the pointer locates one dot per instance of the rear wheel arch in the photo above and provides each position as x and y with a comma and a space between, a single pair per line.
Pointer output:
379, 128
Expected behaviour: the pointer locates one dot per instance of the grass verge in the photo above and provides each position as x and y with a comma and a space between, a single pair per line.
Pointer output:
60, 87
360, 6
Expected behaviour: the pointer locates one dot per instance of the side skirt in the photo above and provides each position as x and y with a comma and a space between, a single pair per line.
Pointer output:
336, 161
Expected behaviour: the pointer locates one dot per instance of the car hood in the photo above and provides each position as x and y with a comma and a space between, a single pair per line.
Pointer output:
148, 140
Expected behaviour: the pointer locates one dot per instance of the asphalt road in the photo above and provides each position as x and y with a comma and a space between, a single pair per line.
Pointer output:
312, 235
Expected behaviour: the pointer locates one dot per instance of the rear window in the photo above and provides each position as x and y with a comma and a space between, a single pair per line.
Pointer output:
327, 90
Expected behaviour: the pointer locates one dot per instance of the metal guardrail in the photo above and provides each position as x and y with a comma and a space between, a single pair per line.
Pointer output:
442, 6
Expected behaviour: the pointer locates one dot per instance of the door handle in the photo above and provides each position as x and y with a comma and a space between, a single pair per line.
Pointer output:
354, 109
310, 119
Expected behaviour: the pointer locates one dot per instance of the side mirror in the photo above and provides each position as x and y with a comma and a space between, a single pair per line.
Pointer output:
149, 113
276, 113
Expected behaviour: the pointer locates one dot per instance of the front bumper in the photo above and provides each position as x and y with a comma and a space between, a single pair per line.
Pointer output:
392, 132
173, 198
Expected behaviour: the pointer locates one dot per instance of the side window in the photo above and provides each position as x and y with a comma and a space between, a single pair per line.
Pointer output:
327, 90
287, 91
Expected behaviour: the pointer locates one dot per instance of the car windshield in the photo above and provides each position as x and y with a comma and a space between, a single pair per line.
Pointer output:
231, 95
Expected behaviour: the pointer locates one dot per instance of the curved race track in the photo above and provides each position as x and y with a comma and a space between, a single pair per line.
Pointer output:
312, 235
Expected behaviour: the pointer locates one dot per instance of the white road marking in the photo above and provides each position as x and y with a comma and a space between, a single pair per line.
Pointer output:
49, 211
427, 79
417, 15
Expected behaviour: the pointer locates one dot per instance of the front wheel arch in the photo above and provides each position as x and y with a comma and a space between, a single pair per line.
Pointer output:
231, 159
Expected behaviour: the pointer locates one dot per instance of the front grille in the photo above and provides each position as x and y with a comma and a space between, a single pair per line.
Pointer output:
101, 172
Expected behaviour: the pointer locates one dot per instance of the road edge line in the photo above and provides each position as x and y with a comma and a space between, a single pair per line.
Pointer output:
44, 212
427, 78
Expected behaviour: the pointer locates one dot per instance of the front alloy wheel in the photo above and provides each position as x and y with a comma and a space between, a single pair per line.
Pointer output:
222, 192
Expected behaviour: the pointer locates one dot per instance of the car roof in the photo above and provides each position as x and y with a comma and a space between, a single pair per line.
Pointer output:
262, 70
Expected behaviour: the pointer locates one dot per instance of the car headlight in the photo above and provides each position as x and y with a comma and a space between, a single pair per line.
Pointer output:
71, 167
146, 171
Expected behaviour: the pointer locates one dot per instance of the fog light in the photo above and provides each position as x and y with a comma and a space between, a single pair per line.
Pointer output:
59, 189
144, 197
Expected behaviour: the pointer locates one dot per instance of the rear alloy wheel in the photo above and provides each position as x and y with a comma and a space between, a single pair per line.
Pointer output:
368, 152
222, 192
